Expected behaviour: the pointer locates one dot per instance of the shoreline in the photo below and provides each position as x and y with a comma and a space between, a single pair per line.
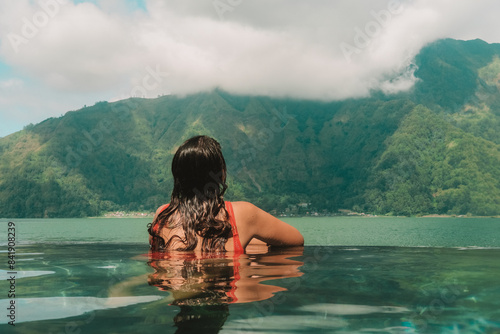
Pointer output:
124, 214
150, 215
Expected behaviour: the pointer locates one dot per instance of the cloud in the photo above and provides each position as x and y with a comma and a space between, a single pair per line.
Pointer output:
326, 50
11, 83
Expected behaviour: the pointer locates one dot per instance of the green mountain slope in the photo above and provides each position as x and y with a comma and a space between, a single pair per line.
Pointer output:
448, 72
431, 150
430, 166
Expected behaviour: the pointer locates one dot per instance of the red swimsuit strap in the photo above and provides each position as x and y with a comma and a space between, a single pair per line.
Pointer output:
238, 249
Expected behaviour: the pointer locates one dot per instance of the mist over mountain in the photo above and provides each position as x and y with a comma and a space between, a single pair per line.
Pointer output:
433, 149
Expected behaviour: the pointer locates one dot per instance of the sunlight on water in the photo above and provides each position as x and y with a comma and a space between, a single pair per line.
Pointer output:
46, 308
23, 274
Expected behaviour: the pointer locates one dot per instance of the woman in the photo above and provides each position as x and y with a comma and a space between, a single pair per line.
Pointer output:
197, 217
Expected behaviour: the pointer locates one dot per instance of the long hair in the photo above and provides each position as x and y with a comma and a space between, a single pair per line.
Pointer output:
197, 203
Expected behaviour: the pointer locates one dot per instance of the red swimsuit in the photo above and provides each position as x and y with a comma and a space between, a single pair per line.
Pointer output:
236, 238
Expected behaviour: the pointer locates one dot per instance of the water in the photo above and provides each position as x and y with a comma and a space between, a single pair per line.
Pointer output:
368, 275
317, 231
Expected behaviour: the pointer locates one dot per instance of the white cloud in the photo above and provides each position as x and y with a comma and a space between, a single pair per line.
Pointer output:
280, 48
11, 83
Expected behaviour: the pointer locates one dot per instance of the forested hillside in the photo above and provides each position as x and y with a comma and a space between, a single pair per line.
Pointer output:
432, 166
434, 149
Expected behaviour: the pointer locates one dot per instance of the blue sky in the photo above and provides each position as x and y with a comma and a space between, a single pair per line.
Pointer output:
59, 55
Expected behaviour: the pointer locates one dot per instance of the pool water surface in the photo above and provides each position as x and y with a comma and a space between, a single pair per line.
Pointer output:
110, 288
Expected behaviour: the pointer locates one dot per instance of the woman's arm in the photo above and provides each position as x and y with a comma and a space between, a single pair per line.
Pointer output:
254, 222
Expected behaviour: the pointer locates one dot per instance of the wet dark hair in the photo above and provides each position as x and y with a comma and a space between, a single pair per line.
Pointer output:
199, 172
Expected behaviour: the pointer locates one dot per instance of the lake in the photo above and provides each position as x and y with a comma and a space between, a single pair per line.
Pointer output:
317, 231
355, 274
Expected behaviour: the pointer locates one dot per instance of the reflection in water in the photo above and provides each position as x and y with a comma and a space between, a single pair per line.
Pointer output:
204, 285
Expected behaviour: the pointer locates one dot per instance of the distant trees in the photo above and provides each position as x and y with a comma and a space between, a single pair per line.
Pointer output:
430, 166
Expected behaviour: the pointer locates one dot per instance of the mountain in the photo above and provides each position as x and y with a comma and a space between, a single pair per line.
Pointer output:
432, 166
434, 149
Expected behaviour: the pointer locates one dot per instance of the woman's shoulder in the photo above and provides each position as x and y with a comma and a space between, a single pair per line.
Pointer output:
246, 213
161, 208
244, 208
